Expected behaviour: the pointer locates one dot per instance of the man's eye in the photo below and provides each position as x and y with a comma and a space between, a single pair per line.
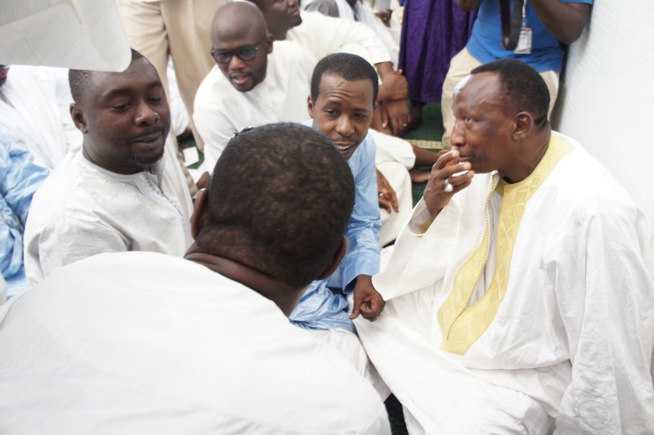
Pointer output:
120, 107
247, 53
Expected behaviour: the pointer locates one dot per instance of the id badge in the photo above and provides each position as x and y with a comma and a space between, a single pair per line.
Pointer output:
524, 42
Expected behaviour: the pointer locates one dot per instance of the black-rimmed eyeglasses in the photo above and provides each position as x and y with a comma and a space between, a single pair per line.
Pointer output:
245, 53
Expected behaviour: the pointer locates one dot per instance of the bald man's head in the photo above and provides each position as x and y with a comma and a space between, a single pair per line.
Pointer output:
240, 44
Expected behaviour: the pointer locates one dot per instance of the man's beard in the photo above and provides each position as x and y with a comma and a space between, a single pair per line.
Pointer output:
144, 162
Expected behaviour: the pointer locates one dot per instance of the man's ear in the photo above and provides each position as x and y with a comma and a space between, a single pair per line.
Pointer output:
342, 250
310, 105
199, 212
269, 43
524, 122
79, 118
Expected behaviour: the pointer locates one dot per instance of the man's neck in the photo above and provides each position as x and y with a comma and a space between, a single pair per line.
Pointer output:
528, 161
283, 295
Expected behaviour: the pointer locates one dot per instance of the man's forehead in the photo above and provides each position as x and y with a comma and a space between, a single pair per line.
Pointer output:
480, 87
332, 82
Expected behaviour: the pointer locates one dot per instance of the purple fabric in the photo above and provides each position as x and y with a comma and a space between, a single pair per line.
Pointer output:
433, 31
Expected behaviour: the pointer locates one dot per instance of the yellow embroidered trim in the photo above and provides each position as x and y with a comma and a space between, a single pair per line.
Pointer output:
461, 325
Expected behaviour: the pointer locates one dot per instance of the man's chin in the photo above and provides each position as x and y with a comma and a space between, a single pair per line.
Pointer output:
145, 161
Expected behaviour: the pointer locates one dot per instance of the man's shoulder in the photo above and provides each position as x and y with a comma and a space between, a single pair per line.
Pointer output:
580, 185
290, 53
214, 90
78, 187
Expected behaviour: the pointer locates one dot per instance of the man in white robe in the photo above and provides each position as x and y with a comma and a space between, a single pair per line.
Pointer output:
121, 191
520, 297
33, 116
272, 86
150, 343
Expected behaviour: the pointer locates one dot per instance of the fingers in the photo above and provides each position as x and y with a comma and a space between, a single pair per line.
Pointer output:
384, 118
371, 308
386, 199
446, 159
384, 203
392, 200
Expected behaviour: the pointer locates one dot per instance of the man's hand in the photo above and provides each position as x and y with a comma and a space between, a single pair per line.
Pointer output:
387, 199
395, 116
367, 301
436, 195
394, 86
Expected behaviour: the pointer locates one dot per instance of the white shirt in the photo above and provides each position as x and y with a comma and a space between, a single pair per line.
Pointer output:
142, 343
324, 35
83, 210
362, 12
220, 110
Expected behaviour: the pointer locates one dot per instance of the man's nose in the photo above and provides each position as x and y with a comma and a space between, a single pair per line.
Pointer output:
235, 63
458, 134
292, 3
344, 126
145, 115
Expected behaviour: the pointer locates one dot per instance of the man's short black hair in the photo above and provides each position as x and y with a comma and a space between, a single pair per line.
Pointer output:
79, 79
523, 89
280, 200
348, 66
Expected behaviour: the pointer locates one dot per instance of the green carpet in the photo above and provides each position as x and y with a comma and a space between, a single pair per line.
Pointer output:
432, 131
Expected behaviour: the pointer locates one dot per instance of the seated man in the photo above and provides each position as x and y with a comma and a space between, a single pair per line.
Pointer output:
549, 23
253, 85
119, 192
343, 91
520, 297
19, 179
250, 84
150, 343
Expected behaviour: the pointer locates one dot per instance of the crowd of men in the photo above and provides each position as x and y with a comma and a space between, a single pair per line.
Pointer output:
518, 296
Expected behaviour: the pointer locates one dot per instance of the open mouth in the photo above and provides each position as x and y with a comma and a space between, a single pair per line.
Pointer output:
239, 79
343, 147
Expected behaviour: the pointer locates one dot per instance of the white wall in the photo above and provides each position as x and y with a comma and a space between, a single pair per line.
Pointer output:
607, 98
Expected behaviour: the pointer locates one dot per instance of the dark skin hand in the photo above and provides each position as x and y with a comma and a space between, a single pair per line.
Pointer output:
395, 116
435, 196
387, 198
367, 301
392, 115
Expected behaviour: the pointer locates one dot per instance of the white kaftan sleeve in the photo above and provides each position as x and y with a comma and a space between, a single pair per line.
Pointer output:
67, 240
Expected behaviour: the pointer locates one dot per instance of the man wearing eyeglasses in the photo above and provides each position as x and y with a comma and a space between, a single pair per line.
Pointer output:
247, 87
